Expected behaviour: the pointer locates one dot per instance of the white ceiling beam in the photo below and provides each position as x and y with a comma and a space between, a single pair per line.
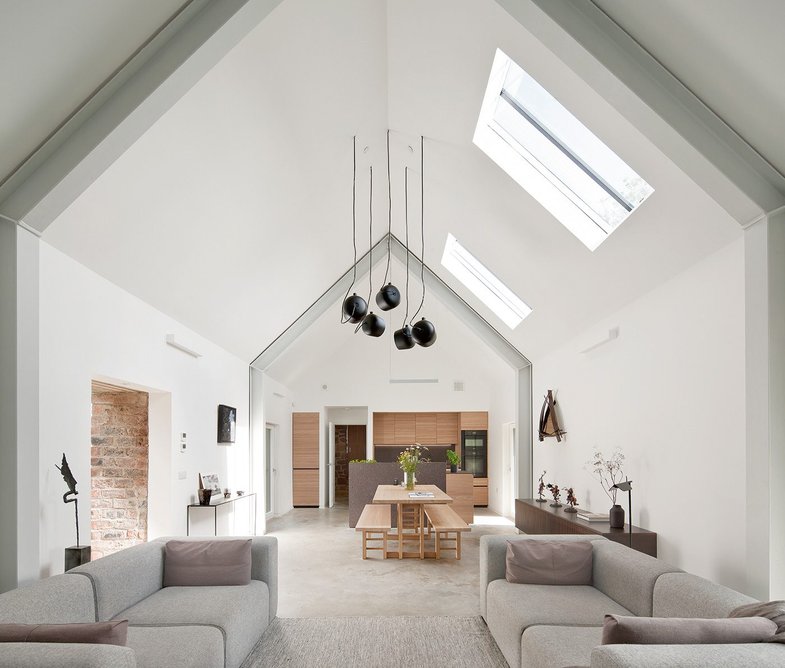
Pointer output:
468, 316
706, 148
125, 107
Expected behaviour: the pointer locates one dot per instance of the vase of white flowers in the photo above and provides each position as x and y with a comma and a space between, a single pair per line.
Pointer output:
609, 472
408, 461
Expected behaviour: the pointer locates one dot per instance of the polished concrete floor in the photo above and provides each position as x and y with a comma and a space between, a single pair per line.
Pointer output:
322, 573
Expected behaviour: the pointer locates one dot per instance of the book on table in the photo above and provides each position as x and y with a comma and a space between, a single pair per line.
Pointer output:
592, 517
420, 495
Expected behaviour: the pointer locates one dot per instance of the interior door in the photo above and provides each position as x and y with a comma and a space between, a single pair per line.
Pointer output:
330, 464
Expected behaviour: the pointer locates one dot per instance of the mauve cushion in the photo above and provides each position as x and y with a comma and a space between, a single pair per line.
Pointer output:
773, 610
206, 563
99, 633
621, 630
550, 562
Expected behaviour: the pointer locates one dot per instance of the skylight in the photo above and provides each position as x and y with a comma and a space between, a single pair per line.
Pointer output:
481, 281
554, 157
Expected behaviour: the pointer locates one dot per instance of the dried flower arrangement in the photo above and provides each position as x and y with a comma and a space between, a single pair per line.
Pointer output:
608, 471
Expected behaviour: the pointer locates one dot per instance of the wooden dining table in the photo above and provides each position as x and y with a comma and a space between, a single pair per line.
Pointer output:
400, 497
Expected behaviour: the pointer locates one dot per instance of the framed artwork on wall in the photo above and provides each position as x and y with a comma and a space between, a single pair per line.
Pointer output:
227, 423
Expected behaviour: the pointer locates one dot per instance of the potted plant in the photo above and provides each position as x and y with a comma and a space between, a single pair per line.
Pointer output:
454, 460
408, 460
608, 470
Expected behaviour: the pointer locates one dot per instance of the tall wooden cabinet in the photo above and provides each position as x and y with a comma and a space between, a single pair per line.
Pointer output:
305, 459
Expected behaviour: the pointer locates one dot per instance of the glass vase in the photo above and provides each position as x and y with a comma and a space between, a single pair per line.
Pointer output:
408, 479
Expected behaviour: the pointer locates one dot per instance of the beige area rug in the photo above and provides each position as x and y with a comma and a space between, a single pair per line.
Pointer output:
371, 642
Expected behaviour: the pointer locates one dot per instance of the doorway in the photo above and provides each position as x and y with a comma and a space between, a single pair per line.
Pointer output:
270, 471
119, 468
350, 443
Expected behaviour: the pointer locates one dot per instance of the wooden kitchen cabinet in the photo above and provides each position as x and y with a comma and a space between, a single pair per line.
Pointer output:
384, 428
474, 420
447, 429
305, 459
405, 426
305, 488
425, 428
481, 491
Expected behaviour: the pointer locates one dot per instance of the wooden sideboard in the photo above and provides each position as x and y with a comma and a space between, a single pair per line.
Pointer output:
532, 517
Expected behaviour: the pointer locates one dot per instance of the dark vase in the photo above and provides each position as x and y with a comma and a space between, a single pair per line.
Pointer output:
453, 468
204, 496
616, 516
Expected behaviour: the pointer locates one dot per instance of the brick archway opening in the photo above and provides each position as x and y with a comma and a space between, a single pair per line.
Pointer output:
119, 464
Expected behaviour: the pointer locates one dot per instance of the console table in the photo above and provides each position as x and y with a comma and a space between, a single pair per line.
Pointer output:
214, 506
539, 518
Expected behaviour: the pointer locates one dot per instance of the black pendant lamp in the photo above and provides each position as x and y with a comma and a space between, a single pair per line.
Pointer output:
403, 337
354, 308
372, 324
388, 297
423, 331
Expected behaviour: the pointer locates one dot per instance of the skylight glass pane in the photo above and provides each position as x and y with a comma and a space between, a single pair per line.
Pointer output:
481, 281
556, 158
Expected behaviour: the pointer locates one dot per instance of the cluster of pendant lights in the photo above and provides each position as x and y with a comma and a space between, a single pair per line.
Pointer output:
354, 307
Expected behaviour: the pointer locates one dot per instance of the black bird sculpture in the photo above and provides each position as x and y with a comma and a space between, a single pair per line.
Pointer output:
71, 482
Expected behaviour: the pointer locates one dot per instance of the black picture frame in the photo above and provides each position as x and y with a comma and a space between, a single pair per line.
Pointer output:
227, 424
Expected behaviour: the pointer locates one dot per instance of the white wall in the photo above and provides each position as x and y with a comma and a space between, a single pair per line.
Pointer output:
90, 328
669, 392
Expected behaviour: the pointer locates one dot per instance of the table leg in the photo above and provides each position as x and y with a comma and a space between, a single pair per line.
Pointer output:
421, 530
400, 530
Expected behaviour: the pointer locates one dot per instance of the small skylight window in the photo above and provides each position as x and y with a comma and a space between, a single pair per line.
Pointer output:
481, 281
554, 157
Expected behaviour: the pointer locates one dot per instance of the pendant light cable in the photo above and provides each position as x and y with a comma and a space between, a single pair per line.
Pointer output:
389, 211
422, 227
406, 222
344, 319
370, 242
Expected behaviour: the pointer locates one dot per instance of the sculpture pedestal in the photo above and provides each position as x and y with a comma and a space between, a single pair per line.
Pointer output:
76, 556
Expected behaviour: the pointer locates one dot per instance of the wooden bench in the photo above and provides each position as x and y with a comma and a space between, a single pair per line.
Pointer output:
375, 519
445, 521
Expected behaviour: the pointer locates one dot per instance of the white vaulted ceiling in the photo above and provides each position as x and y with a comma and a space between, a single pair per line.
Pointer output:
233, 212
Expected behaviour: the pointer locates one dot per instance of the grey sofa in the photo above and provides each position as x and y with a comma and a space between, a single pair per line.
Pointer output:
172, 627
540, 626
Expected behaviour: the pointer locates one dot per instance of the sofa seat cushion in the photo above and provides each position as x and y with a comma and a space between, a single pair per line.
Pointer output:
511, 608
559, 646
182, 646
240, 612
65, 655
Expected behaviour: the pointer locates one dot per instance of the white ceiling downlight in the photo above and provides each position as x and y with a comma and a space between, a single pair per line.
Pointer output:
482, 282
554, 157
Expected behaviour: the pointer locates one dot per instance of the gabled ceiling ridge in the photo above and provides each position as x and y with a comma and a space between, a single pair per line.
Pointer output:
377, 253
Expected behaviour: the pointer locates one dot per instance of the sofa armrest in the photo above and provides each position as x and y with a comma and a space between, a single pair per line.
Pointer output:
65, 655
264, 567
493, 557
751, 655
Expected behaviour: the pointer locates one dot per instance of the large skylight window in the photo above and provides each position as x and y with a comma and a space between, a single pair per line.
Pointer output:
554, 157
481, 281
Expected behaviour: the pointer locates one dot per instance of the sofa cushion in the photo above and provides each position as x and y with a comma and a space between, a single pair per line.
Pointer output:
753, 655
687, 595
550, 562
559, 646
181, 646
773, 610
512, 608
240, 612
98, 633
627, 576
207, 563
620, 630
124, 578
60, 599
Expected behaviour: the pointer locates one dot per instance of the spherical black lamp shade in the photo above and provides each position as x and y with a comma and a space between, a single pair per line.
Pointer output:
424, 333
388, 297
373, 325
354, 308
403, 338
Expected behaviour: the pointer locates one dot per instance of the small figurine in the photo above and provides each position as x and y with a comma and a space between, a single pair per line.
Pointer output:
571, 501
71, 482
556, 493
541, 489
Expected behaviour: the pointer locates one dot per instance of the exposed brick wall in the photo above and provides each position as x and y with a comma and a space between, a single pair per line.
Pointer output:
119, 462
341, 461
